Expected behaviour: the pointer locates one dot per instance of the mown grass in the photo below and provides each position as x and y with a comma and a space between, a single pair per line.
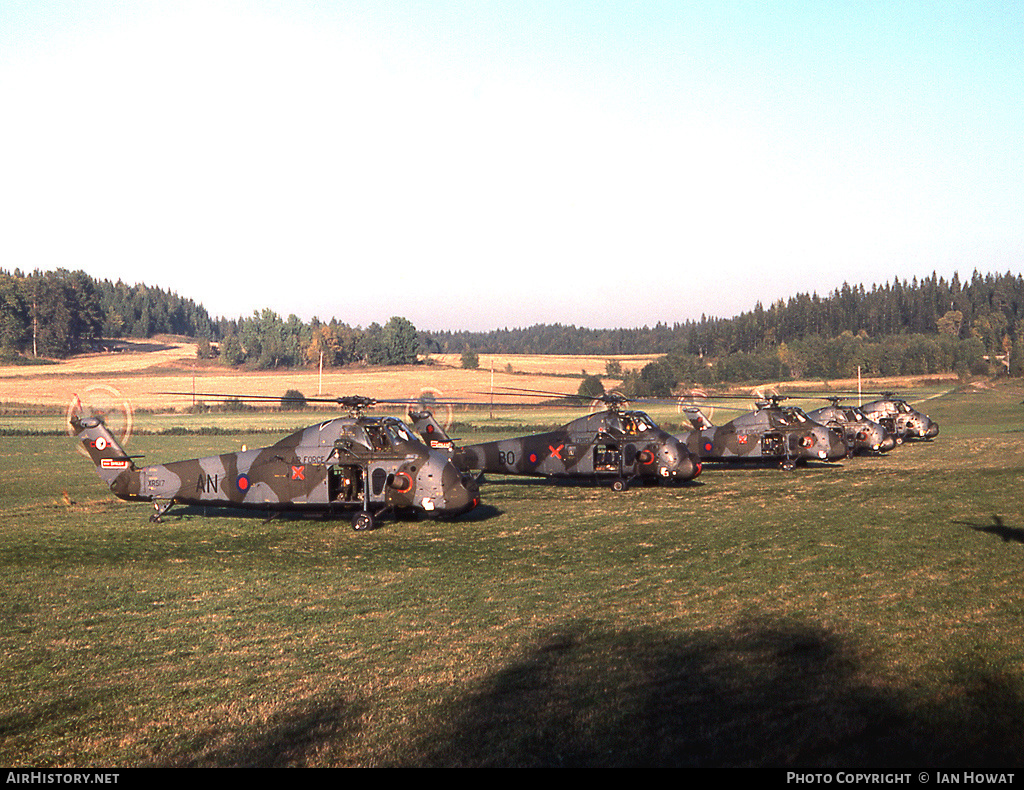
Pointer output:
856, 614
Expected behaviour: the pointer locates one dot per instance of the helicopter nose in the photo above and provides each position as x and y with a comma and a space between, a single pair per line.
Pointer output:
933, 431
887, 443
461, 491
837, 447
685, 468
678, 461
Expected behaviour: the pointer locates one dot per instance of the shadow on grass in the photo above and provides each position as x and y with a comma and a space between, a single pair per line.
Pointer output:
761, 694
997, 527
577, 482
291, 738
341, 516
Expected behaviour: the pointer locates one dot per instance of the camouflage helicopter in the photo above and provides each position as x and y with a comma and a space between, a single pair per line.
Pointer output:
617, 445
900, 419
769, 433
863, 435
370, 465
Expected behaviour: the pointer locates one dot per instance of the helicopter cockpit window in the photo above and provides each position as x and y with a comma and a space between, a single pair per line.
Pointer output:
643, 422
356, 434
399, 432
378, 437
795, 415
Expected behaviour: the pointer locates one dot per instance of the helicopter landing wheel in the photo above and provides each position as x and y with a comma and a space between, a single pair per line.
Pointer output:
157, 517
789, 466
363, 521
620, 485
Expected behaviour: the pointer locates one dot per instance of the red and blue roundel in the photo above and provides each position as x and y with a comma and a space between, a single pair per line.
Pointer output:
707, 447
532, 458
243, 482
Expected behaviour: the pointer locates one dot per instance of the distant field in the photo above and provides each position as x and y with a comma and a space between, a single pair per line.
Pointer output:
860, 615
556, 364
170, 365
142, 375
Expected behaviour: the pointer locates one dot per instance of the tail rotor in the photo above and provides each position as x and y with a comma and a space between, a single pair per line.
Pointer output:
105, 403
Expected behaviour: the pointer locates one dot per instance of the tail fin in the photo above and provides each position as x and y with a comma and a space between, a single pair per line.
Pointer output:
697, 418
433, 434
101, 446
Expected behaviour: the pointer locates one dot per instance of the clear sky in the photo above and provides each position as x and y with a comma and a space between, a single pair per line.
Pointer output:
483, 164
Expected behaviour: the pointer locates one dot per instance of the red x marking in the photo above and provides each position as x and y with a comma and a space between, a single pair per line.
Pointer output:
299, 472
556, 451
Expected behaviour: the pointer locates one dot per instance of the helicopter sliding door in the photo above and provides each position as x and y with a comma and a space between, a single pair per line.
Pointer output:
345, 483
773, 444
607, 458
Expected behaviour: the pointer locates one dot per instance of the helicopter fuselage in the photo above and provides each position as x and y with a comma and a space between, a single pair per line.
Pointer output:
343, 463
767, 434
901, 419
863, 435
611, 444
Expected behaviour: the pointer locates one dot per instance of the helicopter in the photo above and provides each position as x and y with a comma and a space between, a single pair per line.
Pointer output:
900, 419
863, 435
770, 432
372, 465
617, 445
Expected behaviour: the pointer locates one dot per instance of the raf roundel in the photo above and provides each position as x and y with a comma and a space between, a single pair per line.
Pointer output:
243, 483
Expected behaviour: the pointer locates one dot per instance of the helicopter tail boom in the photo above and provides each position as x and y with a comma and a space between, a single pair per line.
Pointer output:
430, 430
103, 449
697, 418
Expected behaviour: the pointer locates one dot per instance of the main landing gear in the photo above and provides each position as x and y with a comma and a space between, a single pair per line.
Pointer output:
364, 520
621, 484
156, 518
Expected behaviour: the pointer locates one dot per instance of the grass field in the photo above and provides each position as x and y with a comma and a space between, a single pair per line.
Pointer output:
857, 614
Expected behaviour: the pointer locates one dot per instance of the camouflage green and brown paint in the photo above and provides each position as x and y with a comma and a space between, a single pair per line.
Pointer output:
900, 418
863, 435
611, 445
355, 463
769, 433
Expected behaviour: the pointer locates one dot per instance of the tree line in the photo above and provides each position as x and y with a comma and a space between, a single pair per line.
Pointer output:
264, 340
921, 326
561, 339
991, 306
59, 313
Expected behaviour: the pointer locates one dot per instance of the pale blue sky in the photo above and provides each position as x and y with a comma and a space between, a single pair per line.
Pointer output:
488, 164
